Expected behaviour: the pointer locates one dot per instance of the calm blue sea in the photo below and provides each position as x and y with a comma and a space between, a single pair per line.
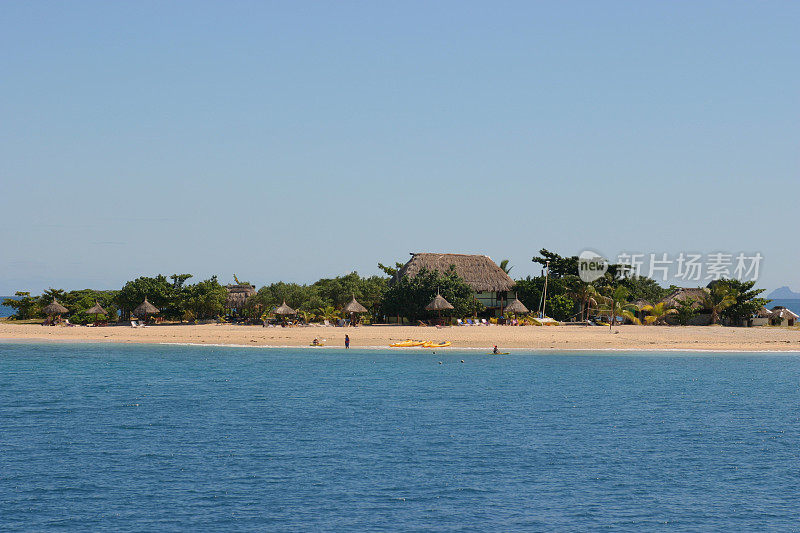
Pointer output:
4, 309
172, 438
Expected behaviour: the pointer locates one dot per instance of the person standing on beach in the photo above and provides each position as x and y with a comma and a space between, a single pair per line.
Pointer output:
347, 341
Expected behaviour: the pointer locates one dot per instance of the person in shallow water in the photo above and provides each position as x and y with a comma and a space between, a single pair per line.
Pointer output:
347, 341
495, 351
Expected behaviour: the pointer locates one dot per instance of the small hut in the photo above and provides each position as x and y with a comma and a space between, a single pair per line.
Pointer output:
238, 295
95, 310
781, 316
54, 310
145, 309
438, 304
354, 308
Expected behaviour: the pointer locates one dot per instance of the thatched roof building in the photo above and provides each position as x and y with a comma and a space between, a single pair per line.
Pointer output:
438, 304
698, 295
145, 308
284, 309
238, 295
478, 271
355, 307
96, 309
54, 308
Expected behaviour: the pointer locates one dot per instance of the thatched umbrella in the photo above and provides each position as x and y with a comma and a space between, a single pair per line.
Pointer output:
54, 309
145, 309
284, 310
354, 307
97, 309
438, 304
517, 307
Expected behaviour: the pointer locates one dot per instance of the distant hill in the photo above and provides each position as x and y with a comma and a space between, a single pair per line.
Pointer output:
784, 293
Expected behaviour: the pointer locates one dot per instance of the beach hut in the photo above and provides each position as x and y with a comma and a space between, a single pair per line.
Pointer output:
354, 308
145, 309
237, 296
54, 310
697, 296
781, 316
95, 310
438, 304
489, 282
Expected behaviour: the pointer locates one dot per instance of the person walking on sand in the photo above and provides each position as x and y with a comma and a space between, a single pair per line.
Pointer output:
347, 342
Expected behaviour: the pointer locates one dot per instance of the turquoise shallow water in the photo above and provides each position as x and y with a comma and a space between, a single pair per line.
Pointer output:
172, 438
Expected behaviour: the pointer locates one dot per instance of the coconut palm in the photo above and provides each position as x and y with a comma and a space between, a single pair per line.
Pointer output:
586, 295
719, 298
327, 313
657, 313
616, 303
504, 266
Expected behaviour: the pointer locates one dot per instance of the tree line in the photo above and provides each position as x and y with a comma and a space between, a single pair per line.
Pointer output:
568, 297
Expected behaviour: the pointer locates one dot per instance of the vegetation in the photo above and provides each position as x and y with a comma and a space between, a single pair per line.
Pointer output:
407, 297
568, 297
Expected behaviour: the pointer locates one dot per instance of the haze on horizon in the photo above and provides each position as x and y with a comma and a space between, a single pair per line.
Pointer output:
293, 141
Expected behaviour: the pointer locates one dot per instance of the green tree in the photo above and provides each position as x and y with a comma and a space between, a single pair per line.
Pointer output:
504, 266
685, 311
559, 266
26, 306
747, 303
719, 298
408, 296
205, 299
560, 307
158, 291
657, 313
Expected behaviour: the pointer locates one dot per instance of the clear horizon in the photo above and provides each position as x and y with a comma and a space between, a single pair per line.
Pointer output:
284, 141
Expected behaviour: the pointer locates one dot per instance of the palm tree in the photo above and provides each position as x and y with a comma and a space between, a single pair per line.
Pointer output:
719, 298
617, 304
586, 295
657, 313
504, 266
327, 313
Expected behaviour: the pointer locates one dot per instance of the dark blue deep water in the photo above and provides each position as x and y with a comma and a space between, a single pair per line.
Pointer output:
170, 438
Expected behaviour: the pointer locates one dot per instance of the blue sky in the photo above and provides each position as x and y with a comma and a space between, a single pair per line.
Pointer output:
296, 140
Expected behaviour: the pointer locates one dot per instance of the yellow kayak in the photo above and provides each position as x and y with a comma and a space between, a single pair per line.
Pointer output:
406, 344
436, 344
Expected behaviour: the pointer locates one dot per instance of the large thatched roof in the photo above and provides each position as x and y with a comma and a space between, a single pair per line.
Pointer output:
680, 295
54, 308
238, 295
438, 304
96, 309
517, 307
478, 271
355, 307
145, 308
284, 309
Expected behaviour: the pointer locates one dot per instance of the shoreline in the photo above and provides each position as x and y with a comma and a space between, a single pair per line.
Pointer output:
626, 338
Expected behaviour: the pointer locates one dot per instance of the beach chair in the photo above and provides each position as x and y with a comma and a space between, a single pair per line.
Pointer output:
327, 323
484, 322
459, 322
469, 322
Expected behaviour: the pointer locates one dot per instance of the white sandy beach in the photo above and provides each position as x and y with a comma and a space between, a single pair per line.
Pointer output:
632, 338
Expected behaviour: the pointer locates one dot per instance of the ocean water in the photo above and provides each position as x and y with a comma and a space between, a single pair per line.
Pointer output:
4, 309
180, 438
